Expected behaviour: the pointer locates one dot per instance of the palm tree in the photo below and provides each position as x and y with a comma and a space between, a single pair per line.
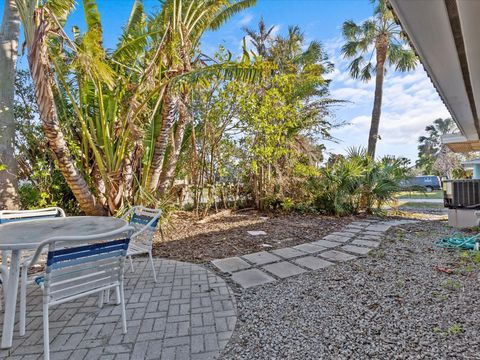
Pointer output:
430, 146
187, 21
381, 38
38, 22
260, 39
104, 132
9, 33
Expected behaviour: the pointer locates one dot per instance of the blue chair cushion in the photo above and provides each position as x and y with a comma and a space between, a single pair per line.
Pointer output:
39, 280
143, 220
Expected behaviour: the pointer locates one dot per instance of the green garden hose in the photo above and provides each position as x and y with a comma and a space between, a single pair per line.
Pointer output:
464, 243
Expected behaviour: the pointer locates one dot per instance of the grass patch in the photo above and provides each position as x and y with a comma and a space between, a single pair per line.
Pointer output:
419, 195
415, 205
455, 329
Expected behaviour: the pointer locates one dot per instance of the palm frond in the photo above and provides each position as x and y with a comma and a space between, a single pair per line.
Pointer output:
225, 71
228, 11
61, 9
136, 19
350, 30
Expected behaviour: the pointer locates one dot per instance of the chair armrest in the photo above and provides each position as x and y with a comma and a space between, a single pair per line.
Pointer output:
128, 213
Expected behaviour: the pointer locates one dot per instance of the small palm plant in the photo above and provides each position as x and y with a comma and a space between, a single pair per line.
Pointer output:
355, 182
377, 42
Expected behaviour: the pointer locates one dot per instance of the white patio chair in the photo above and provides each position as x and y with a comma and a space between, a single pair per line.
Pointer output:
145, 222
77, 267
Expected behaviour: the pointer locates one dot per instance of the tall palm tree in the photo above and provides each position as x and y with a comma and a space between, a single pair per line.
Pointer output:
9, 33
382, 39
38, 22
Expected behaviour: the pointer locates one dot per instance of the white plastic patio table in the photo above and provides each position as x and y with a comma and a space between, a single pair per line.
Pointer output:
27, 235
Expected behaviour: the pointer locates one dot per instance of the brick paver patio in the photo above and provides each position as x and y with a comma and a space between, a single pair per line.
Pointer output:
189, 313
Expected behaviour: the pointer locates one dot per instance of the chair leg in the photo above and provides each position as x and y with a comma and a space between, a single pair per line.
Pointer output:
107, 296
153, 266
131, 263
117, 296
46, 336
124, 313
23, 300
100, 299
4, 257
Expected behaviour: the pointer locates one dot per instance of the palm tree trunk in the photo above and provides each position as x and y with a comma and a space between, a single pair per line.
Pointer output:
43, 81
168, 173
169, 109
132, 168
9, 33
381, 48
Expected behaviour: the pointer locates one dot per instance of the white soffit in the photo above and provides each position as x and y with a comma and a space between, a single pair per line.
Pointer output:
459, 143
428, 27
469, 12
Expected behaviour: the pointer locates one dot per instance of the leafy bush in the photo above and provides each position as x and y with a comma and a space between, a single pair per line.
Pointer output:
348, 185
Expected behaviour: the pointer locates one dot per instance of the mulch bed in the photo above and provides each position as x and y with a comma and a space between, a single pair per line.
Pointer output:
225, 234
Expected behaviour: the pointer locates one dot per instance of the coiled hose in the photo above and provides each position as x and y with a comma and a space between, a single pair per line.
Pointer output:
462, 242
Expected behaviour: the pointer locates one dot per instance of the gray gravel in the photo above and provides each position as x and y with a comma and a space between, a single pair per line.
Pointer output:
392, 304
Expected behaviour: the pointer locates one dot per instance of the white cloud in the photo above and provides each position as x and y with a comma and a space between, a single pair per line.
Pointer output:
354, 95
245, 19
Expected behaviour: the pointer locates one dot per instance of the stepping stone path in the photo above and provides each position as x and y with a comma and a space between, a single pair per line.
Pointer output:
355, 240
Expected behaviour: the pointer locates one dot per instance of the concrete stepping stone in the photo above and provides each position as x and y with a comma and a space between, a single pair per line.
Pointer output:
231, 264
378, 227
288, 253
356, 249
371, 237
261, 258
368, 243
336, 238
251, 277
284, 269
361, 223
312, 262
309, 248
337, 255
343, 234
256, 232
373, 233
353, 230
326, 243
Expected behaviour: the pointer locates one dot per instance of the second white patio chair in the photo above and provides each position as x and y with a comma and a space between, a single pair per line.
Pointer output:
78, 267
22, 215
7, 216
145, 222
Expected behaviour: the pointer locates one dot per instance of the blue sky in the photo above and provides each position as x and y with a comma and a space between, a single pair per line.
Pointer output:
410, 100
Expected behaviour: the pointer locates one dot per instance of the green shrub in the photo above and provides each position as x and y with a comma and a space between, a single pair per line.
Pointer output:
47, 188
348, 185
288, 205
